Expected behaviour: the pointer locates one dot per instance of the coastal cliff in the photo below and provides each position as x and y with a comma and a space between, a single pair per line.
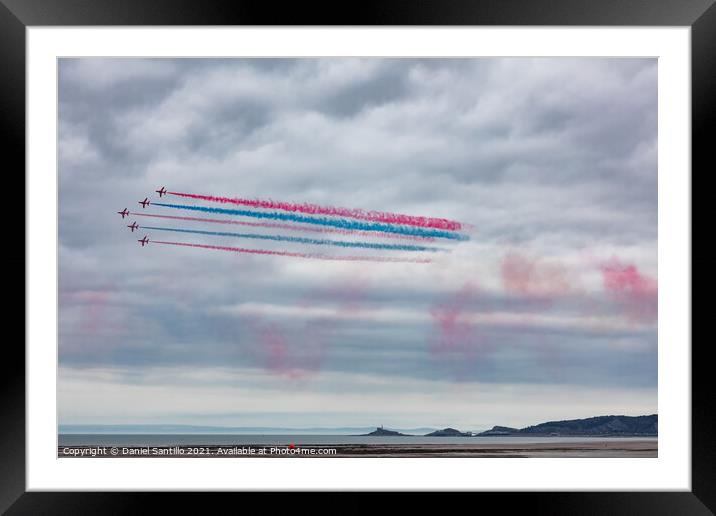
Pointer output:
600, 426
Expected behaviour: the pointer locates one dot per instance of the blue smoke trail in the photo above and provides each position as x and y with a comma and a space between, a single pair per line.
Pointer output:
323, 221
300, 240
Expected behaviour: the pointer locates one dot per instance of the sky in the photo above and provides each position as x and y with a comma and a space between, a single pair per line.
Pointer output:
548, 310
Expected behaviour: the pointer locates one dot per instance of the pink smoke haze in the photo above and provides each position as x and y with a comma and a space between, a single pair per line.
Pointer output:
298, 353
635, 293
94, 305
99, 323
533, 280
287, 356
540, 285
457, 345
94, 314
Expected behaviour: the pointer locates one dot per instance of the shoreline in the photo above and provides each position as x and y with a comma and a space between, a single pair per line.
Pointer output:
629, 449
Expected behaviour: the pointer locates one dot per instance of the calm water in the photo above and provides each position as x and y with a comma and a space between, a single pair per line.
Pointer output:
239, 440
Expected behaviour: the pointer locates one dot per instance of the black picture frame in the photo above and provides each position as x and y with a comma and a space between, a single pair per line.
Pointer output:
17, 15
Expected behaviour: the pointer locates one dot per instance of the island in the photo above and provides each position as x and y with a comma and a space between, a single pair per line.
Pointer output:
449, 432
380, 431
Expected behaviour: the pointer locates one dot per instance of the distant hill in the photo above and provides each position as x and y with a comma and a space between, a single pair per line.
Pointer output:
448, 432
500, 430
380, 431
600, 426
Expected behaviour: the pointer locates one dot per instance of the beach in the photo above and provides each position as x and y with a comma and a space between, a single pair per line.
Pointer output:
626, 448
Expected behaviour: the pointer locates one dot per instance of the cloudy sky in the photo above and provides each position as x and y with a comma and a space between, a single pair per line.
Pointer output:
548, 311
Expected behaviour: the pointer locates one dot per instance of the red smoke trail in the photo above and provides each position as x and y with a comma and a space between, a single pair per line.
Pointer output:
297, 255
314, 209
636, 293
291, 227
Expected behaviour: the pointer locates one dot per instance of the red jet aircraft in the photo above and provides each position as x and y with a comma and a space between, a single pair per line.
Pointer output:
144, 202
161, 191
133, 226
144, 240
124, 212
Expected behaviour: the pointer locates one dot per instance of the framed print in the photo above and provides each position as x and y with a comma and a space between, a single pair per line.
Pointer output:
437, 250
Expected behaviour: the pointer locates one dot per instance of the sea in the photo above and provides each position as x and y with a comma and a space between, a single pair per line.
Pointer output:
285, 439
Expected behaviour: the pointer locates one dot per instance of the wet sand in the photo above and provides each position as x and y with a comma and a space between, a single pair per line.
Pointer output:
612, 448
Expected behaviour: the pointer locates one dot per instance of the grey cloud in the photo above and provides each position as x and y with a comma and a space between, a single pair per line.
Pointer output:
551, 156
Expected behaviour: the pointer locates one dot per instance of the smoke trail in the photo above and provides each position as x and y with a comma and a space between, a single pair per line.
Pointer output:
90, 316
458, 346
322, 221
297, 352
289, 227
637, 293
314, 209
532, 280
297, 255
299, 240
284, 356
94, 311
540, 285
